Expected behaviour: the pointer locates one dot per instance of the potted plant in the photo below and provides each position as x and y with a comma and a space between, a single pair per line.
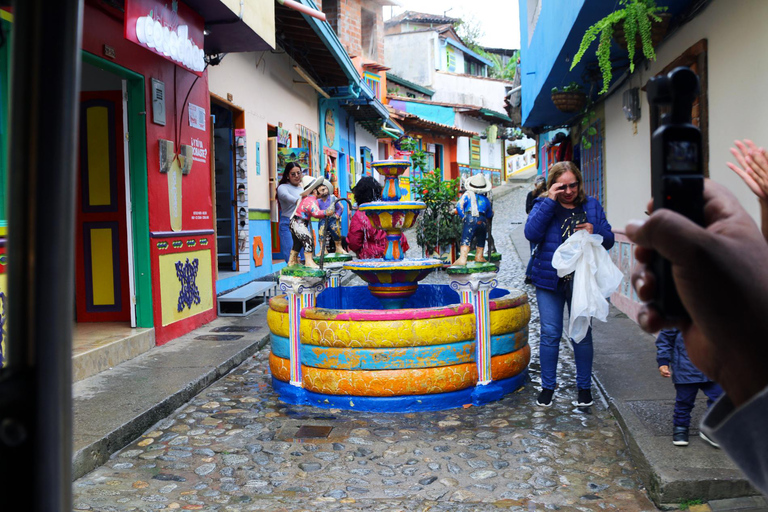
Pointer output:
570, 98
513, 150
635, 19
437, 226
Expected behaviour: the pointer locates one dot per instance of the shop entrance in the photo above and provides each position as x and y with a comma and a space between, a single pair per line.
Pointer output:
224, 177
113, 306
102, 257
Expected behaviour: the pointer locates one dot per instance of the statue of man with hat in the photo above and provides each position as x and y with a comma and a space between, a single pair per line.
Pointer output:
477, 211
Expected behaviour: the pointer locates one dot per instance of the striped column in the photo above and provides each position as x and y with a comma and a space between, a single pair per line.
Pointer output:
300, 293
335, 273
475, 289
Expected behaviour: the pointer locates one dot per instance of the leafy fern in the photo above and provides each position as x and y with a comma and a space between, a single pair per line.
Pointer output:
636, 16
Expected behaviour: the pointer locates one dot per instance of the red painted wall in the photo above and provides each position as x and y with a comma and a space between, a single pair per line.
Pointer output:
103, 25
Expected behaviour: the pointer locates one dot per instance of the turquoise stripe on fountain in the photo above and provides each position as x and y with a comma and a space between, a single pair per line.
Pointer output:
398, 358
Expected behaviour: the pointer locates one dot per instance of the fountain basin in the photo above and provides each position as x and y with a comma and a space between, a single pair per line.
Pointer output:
392, 282
401, 360
393, 217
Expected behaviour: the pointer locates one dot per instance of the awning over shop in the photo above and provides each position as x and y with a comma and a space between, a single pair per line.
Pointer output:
413, 122
489, 116
543, 72
318, 51
236, 26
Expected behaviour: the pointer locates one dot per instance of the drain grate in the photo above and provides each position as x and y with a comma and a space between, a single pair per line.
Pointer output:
218, 337
312, 431
235, 328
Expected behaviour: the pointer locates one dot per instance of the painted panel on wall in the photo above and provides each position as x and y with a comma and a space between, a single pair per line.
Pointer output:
185, 285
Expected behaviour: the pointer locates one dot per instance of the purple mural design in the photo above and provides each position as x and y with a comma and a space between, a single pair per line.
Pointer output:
187, 273
2, 325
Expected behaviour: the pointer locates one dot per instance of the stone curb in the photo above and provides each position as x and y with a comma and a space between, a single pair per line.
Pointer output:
664, 488
97, 453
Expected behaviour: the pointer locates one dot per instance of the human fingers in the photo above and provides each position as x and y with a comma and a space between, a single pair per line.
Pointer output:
740, 153
760, 167
672, 235
643, 254
748, 180
644, 283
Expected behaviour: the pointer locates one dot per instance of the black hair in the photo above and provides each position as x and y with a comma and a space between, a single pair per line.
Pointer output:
367, 190
288, 168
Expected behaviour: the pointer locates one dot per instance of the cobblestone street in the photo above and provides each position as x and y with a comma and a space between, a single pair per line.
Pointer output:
235, 447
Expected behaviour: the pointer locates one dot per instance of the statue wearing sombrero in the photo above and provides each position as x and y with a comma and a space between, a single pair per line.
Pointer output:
307, 209
476, 210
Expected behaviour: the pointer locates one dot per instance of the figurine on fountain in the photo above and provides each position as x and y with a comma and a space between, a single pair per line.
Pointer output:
331, 230
476, 210
307, 209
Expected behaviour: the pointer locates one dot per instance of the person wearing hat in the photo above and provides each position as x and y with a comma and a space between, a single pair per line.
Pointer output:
306, 210
330, 232
476, 210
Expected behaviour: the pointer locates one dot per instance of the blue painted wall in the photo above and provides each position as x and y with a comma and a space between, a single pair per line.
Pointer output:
550, 33
434, 113
257, 228
344, 142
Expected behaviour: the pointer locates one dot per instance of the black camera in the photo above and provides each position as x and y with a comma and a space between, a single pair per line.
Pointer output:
677, 180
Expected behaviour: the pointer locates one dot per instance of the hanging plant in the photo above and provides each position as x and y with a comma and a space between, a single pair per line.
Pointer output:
570, 98
635, 18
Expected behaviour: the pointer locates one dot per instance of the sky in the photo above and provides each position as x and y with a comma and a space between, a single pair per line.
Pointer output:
499, 19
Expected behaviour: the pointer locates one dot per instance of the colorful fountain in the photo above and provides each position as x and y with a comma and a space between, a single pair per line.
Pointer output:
395, 345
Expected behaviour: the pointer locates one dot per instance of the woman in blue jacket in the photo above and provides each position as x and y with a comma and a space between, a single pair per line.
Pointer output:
555, 216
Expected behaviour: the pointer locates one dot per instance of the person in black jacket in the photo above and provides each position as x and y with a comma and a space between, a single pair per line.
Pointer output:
538, 188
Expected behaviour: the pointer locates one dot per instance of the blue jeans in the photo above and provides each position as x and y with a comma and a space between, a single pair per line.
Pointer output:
686, 398
286, 239
474, 227
551, 304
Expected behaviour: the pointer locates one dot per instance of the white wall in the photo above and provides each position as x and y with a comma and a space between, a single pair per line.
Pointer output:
490, 154
262, 85
364, 138
736, 42
410, 55
465, 90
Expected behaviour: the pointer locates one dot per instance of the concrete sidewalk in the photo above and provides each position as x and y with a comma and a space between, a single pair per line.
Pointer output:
114, 407
626, 372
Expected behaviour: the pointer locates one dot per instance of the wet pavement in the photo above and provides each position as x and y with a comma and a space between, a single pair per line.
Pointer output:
235, 447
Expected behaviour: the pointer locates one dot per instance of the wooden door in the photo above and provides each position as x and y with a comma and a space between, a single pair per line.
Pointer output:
101, 259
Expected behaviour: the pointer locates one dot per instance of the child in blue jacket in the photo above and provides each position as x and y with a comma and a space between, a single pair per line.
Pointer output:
688, 380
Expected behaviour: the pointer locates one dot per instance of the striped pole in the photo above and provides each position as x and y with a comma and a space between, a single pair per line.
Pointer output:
475, 289
300, 293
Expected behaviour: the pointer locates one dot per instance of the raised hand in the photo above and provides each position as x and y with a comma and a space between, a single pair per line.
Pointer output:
752, 168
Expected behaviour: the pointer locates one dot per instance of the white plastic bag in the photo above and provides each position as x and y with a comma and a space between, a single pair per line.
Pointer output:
595, 278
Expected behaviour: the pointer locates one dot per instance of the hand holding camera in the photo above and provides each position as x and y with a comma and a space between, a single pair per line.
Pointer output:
677, 180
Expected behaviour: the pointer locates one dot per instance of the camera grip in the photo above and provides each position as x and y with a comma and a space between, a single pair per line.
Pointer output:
684, 195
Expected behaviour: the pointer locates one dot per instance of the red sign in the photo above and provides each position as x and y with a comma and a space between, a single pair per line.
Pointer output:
170, 29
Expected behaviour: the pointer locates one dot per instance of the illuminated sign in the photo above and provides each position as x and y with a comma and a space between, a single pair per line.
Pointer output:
172, 30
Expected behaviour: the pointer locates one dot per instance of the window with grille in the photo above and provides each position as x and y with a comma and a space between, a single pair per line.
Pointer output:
373, 81
592, 161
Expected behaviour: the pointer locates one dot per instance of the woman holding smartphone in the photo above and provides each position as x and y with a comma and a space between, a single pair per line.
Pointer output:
555, 216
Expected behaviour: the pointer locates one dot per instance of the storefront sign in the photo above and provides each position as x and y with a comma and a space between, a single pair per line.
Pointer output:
330, 127
196, 117
172, 30
199, 153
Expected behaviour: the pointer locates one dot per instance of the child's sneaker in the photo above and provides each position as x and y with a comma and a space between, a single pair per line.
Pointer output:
584, 398
707, 439
545, 397
680, 436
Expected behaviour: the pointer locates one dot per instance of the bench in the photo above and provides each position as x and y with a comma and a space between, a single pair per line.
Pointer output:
244, 300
